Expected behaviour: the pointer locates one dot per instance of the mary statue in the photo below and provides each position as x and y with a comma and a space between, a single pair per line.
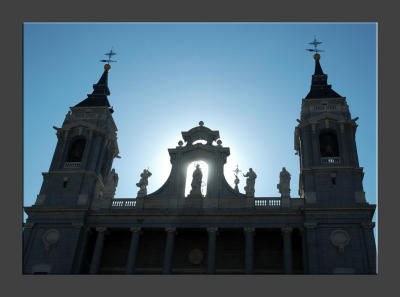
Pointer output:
196, 182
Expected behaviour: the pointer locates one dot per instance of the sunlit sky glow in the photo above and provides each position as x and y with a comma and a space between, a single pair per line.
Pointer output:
189, 178
246, 80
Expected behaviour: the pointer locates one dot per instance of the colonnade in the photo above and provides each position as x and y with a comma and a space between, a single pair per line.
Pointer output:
212, 238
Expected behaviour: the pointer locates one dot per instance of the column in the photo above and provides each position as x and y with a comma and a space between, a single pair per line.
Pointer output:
27, 239
304, 249
86, 154
315, 146
249, 251
287, 249
133, 250
169, 249
98, 249
344, 149
212, 240
81, 248
312, 248
27, 234
63, 152
370, 246
99, 156
57, 152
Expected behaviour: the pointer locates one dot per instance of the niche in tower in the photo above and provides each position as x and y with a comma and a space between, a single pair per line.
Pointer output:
76, 150
328, 143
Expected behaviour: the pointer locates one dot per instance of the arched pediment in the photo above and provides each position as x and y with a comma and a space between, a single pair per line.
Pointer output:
200, 133
183, 155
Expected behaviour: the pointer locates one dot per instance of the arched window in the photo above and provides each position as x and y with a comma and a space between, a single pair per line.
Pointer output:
76, 150
189, 177
328, 144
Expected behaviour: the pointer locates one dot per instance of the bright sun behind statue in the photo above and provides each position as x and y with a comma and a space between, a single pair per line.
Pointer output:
189, 173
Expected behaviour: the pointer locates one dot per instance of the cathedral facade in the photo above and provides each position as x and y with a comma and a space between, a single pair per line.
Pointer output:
200, 224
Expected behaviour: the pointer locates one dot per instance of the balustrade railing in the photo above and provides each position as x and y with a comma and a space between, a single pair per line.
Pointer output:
258, 202
319, 108
267, 202
126, 203
330, 161
72, 164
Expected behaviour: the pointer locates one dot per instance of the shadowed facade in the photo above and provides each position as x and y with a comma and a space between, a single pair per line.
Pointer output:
77, 226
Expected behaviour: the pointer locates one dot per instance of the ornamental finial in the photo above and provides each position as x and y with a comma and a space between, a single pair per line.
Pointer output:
315, 43
107, 66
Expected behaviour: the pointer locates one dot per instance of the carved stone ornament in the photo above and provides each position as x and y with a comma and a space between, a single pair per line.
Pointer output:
249, 230
250, 182
196, 256
136, 230
142, 184
212, 229
50, 238
171, 229
284, 183
340, 239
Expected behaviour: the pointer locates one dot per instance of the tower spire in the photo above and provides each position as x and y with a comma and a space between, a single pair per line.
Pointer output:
100, 90
319, 82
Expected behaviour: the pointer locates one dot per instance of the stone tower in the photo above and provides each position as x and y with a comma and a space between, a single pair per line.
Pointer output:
86, 147
79, 178
337, 219
325, 142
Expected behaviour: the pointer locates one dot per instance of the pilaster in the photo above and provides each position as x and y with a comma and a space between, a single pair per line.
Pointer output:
287, 249
212, 239
249, 251
133, 250
169, 249
96, 259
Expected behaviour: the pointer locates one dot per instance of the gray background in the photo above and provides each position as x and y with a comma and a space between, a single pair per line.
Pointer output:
371, 11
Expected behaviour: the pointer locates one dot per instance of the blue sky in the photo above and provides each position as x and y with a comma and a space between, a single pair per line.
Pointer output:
246, 80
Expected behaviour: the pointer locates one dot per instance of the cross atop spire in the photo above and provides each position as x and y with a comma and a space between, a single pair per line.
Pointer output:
109, 54
315, 43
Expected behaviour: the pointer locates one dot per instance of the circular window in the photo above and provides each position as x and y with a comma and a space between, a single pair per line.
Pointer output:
196, 256
340, 238
50, 238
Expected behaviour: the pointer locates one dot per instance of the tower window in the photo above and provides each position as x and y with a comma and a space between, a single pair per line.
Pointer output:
328, 144
76, 149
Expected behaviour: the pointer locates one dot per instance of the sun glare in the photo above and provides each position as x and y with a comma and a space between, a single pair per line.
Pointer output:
189, 173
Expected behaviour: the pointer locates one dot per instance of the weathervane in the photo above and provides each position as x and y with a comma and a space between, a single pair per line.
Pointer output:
108, 61
237, 180
315, 43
